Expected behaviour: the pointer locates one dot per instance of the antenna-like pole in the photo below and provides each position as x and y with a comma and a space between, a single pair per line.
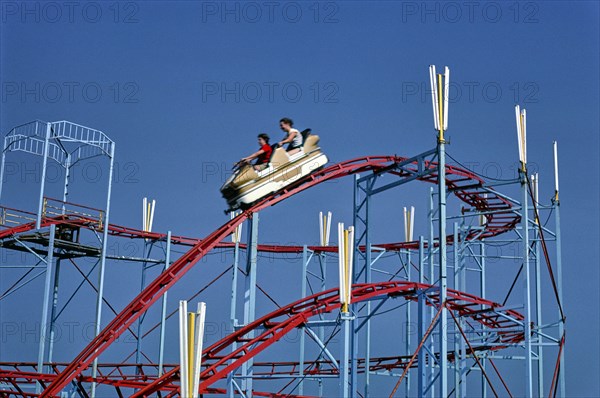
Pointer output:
521, 119
555, 145
440, 87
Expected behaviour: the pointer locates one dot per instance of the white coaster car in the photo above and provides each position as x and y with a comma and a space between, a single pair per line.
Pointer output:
247, 185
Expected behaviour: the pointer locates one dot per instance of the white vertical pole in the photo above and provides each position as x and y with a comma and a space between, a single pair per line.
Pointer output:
144, 213
321, 233
163, 312
342, 261
183, 348
328, 228
200, 318
555, 145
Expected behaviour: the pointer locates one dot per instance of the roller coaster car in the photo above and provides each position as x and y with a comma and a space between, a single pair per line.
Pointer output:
247, 185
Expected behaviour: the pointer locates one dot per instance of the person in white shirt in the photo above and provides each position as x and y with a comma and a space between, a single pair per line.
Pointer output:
293, 137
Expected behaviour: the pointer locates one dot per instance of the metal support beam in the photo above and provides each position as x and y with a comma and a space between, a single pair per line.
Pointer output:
163, 311
559, 288
482, 293
302, 334
346, 325
422, 370
53, 315
430, 386
526, 286
38, 222
100, 297
443, 286
232, 386
45, 306
139, 332
250, 298
538, 313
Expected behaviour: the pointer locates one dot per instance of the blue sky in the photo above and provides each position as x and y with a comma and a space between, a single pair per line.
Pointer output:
184, 87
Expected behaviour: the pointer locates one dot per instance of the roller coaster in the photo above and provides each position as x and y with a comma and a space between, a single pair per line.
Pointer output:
460, 340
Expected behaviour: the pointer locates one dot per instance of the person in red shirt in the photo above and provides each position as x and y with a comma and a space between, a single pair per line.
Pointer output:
262, 155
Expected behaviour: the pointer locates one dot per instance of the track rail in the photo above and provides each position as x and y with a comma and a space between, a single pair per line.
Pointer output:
296, 314
273, 326
462, 183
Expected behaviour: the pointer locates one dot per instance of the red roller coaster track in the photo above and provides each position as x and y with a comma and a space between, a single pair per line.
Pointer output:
273, 326
297, 313
465, 185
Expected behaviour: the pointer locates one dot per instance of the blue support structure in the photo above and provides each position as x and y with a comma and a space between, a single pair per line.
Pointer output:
101, 272
346, 356
431, 262
163, 311
561, 324
422, 374
250, 299
538, 306
231, 387
526, 286
303, 277
482, 293
38, 221
442, 281
138, 349
365, 187
53, 314
44, 330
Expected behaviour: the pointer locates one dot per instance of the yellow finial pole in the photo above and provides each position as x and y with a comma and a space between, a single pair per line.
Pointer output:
191, 344
346, 268
324, 242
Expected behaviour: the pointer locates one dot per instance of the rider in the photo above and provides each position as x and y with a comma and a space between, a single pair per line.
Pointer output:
262, 155
293, 137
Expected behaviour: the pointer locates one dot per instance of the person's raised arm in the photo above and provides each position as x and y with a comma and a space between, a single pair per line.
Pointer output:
253, 156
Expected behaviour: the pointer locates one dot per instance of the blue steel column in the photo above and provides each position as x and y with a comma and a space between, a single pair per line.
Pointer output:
457, 357
163, 311
538, 310
233, 308
66, 184
431, 260
346, 324
250, 299
482, 293
138, 348
38, 221
53, 311
368, 279
103, 263
526, 285
2, 167
459, 343
408, 328
302, 334
422, 375
45, 305
561, 324
443, 322
322, 259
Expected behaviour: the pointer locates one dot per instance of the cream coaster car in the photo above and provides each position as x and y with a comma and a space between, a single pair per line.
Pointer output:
247, 185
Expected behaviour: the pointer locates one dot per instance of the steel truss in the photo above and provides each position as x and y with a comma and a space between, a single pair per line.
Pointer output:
478, 329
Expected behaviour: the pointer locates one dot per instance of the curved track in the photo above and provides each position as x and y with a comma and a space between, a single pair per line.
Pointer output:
465, 185
217, 363
296, 314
